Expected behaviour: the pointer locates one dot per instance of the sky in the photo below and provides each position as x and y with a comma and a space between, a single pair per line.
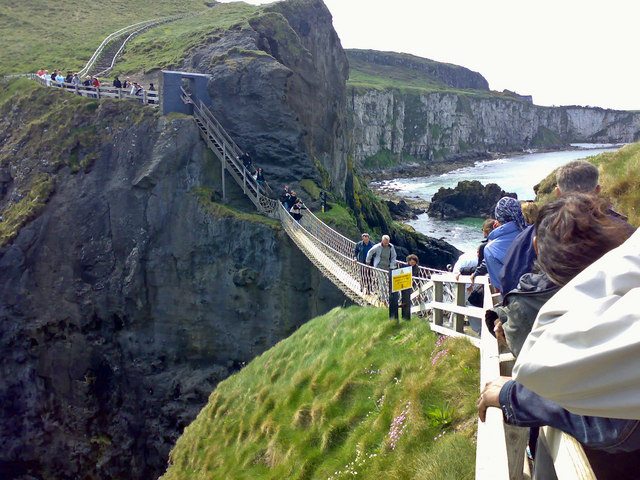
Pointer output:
563, 52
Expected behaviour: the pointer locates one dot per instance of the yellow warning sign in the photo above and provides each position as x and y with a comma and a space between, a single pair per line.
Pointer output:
401, 279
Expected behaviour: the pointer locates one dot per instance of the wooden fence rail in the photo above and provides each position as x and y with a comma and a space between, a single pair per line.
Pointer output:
500, 453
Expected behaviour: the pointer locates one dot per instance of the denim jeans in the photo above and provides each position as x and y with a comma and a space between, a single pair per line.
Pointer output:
524, 408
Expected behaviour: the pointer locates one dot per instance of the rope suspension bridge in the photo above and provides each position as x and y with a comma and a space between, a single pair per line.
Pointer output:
441, 295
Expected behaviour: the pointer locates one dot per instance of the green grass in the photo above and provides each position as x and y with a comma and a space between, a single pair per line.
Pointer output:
67, 127
16, 215
386, 158
619, 179
341, 219
321, 404
220, 210
370, 76
166, 46
64, 34
311, 188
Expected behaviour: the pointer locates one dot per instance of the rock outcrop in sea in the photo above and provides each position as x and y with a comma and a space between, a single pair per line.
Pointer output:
468, 199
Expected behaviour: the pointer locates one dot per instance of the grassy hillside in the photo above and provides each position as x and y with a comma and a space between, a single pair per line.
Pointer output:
166, 45
350, 393
63, 34
365, 75
619, 178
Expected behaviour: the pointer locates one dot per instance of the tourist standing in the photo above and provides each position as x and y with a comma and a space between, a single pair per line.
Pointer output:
382, 255
260, 177
360, 253
362, 249
509, 223
117, 83
296, 210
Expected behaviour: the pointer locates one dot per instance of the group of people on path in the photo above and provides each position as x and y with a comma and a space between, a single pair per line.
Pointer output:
570, 285
134, 88
292, 203
73, 80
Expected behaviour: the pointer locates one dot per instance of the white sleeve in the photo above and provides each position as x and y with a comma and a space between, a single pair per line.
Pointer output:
583, 351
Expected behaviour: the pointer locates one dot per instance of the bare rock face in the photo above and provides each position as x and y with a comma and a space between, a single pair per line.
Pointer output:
278, 86
418, 128
130, 295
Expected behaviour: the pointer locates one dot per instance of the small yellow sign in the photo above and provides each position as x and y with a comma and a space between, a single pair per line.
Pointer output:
401, 279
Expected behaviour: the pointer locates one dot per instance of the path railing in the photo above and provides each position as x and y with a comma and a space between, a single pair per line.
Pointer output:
500, 452
145, 96
129, 31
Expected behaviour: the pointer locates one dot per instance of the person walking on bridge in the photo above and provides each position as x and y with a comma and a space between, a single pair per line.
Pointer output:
383, 255
360, 257
362, 249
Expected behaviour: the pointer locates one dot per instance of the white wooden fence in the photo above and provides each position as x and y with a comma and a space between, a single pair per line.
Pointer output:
500, 453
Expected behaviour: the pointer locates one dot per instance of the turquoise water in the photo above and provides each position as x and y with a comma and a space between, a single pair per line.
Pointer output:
514, 174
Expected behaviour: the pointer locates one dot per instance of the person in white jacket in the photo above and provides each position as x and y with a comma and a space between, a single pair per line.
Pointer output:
383, 254
584, 348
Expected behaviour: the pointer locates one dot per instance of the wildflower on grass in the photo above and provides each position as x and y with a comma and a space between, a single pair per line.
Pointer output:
440, 341
398, 426
438, 356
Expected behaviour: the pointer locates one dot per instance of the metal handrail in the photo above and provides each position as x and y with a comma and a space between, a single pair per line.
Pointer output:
85, 70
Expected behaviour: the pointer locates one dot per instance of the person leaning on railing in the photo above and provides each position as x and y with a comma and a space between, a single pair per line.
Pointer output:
571, 233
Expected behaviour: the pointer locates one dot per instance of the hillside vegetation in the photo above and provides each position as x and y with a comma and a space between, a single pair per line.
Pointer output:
619, 179
410, 74
64, 34
166, 45
350, 393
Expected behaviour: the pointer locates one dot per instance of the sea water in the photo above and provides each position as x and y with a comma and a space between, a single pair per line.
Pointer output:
516, 174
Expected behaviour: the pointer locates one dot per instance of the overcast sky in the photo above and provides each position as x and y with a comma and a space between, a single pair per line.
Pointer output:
563, 52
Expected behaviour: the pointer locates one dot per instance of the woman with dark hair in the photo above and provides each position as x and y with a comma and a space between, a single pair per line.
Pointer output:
296, 210
413, 261
509, 223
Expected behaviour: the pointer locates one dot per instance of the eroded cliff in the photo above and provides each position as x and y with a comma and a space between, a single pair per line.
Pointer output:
278, 84
127, 294
418, 121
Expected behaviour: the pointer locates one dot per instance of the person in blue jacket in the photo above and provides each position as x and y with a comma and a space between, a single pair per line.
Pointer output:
510, 223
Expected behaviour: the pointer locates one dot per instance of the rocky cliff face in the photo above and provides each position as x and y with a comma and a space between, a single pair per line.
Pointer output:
434, 126
131, 294
278, 86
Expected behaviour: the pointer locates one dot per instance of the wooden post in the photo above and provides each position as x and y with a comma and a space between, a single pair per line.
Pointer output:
406, 304
97, 92
458, 320
144, 96
119, 94
438, 296
393, 300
